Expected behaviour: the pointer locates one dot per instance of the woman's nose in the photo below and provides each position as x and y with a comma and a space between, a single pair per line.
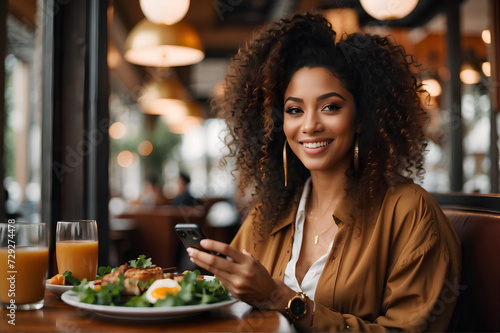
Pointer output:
312, 123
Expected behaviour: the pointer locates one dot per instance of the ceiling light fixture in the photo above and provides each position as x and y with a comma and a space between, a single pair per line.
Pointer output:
194, 118
164, 11
192, 109
388, 9
164, 96
486, 36
160, 45
169, 99
432, 86
486, 68
469, 74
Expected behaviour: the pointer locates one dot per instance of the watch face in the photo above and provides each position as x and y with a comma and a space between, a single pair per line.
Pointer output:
297, 307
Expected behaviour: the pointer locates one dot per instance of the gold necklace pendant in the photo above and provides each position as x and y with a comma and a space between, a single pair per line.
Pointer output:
316, 238
313, 220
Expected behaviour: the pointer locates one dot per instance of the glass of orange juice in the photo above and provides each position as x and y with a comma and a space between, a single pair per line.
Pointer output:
77, 248
24, 259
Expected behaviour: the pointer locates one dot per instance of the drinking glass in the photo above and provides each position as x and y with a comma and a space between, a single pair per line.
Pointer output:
24, 259
77, 248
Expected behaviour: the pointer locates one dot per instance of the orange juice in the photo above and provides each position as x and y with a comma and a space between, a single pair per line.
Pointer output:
24, 282
79, 257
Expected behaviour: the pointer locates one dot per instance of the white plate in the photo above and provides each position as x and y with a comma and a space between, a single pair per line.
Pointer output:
138, 313
142, 313
58, 289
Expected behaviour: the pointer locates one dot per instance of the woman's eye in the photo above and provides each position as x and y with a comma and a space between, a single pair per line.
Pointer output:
332, 107
293, 110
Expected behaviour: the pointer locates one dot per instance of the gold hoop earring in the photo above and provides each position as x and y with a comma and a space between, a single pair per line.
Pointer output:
356, 154
285, 164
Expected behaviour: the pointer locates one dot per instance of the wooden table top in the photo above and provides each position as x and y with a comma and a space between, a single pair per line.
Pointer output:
57, 316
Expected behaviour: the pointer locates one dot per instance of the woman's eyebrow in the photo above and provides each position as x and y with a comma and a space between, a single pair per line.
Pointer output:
295, 99
329, 95
319, 98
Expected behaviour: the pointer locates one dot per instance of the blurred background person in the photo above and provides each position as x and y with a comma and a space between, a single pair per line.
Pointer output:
184, 197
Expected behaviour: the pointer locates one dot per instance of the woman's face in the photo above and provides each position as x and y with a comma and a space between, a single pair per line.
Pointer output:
319, 120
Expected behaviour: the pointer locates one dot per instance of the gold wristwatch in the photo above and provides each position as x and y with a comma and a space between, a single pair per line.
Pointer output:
297, 306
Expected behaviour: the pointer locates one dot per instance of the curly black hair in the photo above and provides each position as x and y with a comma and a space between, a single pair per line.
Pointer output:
375, 70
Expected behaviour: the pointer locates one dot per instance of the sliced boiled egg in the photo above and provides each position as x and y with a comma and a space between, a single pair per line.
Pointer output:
160, 288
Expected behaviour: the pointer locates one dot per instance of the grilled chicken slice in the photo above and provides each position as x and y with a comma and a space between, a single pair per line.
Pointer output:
132, 276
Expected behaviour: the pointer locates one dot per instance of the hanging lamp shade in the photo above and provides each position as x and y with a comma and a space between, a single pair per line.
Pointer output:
193, 118
160, 45
164, 11
388, 9
162, 97
192, 109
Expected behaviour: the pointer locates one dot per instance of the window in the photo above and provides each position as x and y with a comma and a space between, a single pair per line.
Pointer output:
23, 124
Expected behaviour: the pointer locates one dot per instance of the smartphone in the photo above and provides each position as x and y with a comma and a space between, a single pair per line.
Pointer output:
190, 234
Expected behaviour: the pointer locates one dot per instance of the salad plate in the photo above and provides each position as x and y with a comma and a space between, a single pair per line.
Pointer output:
142, 313
57, 289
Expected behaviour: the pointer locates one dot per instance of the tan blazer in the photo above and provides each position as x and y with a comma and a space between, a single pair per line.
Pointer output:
397, 268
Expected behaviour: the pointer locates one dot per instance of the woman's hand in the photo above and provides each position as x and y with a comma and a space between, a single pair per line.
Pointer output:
243, 275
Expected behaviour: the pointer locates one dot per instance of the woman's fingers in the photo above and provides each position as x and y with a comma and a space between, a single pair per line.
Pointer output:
208, 261
231, 270
243, 275
213, 263
223, 248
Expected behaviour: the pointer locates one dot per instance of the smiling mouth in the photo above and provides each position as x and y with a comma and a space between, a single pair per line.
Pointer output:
316, 144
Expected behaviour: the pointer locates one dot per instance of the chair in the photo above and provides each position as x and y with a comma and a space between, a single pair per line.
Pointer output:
478, 304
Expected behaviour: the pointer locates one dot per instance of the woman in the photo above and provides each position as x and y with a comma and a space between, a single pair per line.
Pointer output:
329, 137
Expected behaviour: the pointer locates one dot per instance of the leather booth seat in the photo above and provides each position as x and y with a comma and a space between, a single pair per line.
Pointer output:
478, 305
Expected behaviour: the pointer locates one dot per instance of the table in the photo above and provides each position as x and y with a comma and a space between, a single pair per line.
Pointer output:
57, 316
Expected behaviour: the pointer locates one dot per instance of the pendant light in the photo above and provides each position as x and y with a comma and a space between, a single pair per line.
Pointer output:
161, 45
469, 74
164, 11
164, 96
167, 98
469, 70
388, 9
193, 118
432, 86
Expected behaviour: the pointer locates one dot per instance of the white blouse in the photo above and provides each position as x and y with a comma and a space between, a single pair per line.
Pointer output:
310, 281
